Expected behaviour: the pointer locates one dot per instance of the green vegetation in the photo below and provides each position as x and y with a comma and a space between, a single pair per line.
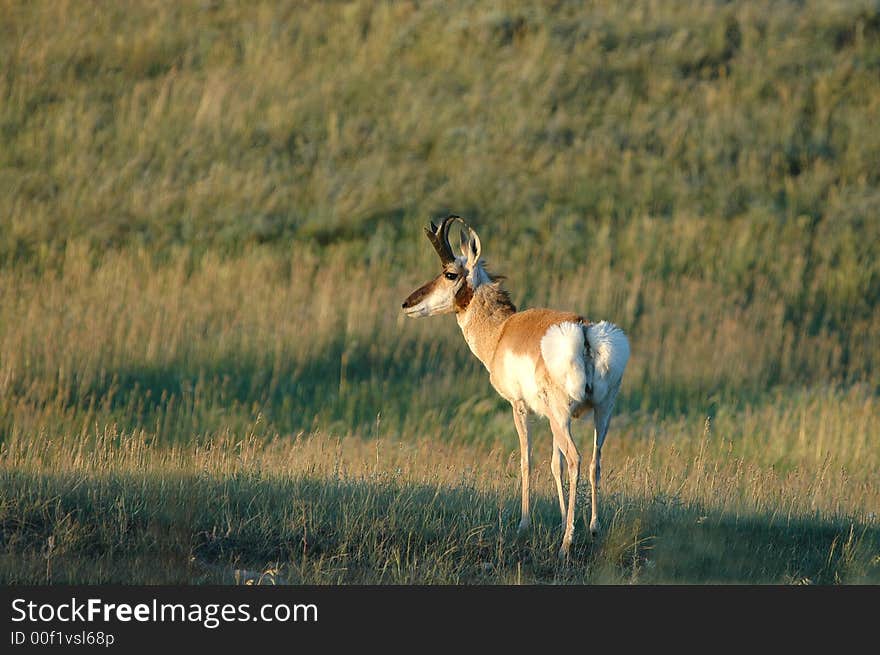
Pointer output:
210, 213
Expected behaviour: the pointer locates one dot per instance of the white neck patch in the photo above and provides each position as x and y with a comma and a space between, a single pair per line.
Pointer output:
478, 276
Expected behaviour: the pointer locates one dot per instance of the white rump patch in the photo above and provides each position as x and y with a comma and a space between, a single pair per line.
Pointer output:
610, 349
562, 347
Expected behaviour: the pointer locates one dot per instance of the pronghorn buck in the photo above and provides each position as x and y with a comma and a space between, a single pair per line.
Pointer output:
555, 364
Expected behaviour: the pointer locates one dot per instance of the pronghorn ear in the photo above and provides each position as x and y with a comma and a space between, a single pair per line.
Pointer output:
472, 248
465, 242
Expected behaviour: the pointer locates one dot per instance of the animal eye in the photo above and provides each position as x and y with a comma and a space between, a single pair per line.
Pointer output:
451, 276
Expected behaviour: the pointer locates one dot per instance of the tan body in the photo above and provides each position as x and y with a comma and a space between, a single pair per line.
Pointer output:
551, 363
512, 346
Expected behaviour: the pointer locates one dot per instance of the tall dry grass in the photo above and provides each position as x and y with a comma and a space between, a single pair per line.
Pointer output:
317, 341
682, 503
184, 420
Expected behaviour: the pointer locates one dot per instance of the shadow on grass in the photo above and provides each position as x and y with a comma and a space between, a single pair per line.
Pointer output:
342, 388
193, 529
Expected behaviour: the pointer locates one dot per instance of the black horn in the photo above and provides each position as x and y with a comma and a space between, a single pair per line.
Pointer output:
439, 238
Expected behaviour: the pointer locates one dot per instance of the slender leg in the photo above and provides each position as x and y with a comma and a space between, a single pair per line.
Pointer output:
556, 469
601, 419
520, 418
594, 482
562, 436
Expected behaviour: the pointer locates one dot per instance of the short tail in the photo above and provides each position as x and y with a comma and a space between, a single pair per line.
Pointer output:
609, 348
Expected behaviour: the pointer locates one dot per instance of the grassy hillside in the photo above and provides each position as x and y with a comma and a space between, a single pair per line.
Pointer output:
210, 213
210, 122
729, 143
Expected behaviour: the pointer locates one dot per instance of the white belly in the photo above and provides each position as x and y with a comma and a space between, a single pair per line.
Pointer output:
515, 380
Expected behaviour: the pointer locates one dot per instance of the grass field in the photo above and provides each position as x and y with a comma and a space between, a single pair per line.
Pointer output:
210, 213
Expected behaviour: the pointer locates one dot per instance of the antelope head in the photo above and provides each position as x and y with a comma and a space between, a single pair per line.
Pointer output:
453, 288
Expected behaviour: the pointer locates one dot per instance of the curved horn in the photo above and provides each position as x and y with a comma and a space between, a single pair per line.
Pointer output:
439, 238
